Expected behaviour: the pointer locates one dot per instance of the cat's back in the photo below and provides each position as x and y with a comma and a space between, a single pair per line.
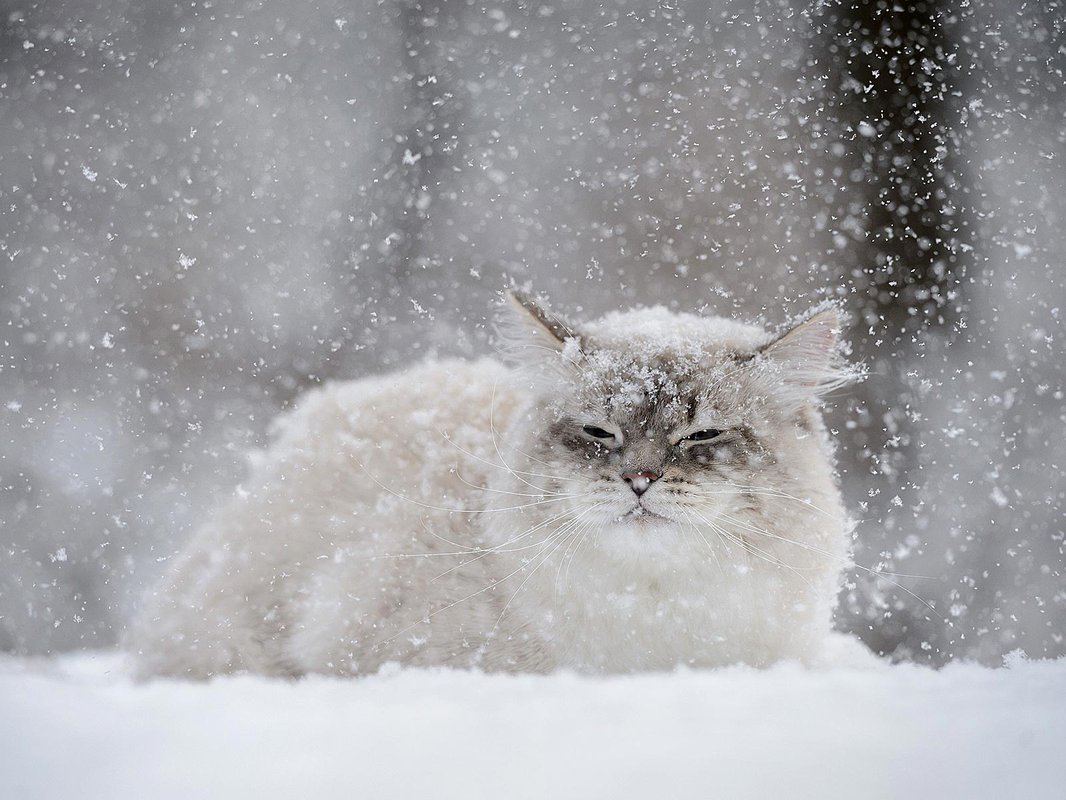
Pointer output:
419, 419
393, 446
358, 474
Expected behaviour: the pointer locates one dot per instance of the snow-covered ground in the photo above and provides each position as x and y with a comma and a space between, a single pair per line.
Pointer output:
77, 728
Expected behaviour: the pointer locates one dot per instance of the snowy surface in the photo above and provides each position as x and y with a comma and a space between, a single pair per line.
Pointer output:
78, 728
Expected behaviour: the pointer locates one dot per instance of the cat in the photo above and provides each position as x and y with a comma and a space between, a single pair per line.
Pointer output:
640, 492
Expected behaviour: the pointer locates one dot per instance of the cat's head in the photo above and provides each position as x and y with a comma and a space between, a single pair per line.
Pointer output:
649, 420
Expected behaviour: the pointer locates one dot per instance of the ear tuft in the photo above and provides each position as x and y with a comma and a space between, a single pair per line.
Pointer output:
809, 355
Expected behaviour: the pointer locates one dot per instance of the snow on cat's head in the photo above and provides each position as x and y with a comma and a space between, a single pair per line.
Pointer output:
657, 424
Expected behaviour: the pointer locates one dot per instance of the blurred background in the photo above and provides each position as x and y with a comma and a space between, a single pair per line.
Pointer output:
208, 207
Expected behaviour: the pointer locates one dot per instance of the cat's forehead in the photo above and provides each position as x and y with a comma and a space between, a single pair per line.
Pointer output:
654, 368
653, 387
635, 377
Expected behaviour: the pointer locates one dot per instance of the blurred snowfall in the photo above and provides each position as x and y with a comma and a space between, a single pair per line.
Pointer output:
209, 206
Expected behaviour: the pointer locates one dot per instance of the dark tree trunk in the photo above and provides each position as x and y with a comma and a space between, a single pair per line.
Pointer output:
902, 237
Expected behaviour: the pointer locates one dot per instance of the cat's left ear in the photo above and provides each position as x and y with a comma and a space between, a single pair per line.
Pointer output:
547, 327
808, 357
531, 333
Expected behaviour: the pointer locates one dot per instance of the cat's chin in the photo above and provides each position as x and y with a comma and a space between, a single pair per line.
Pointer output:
641, 532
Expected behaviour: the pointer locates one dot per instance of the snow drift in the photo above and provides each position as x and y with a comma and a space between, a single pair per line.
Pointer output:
79, 728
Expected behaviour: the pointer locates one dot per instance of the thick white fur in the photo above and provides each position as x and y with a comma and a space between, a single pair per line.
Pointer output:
406, 518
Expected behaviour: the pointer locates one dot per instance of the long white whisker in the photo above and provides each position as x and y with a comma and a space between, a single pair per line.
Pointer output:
839, 559
495, 442
765, 491
482, 590
543, 493
766, 556
385, 488
485, 551
577, 549
707, 545
541, 563
844, 561
512, 444
568, 554
505, 467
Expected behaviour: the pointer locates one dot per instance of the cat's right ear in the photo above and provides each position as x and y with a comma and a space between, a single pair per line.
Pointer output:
529, 333
807, 361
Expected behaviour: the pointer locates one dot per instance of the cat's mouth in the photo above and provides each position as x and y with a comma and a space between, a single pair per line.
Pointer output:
640, 514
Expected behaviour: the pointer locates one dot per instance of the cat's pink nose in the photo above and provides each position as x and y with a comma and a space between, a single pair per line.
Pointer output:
640, 481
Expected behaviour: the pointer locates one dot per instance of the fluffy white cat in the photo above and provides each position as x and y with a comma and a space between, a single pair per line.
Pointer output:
643, 491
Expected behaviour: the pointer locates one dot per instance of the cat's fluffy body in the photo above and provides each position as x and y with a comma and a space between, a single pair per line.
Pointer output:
459, 513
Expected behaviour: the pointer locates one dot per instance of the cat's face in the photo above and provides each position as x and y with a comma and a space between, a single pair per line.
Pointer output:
644, 441
652, 427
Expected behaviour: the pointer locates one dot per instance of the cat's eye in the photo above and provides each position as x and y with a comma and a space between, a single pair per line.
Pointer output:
597, 433
703, 436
